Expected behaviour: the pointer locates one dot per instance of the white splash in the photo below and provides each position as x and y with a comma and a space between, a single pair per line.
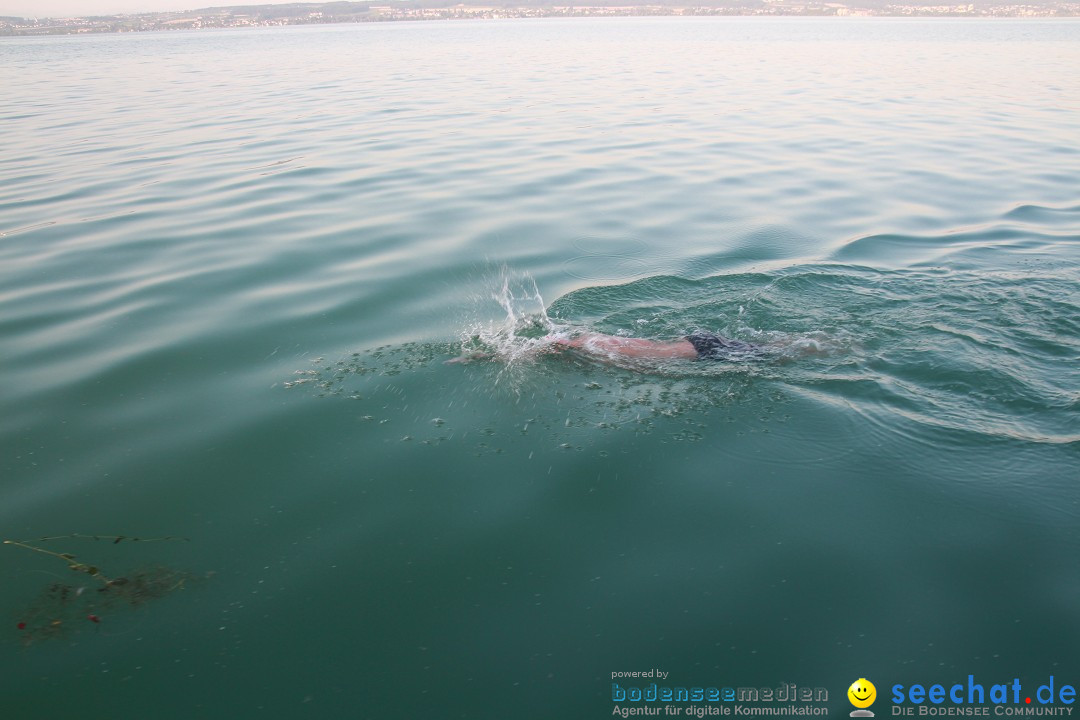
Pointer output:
522, 333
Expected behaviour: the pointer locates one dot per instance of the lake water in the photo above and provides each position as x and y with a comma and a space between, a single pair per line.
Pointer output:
232, 265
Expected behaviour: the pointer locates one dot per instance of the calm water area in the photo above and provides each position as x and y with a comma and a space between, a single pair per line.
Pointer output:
234, 263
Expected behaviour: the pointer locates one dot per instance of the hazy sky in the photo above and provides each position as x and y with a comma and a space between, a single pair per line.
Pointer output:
62, 8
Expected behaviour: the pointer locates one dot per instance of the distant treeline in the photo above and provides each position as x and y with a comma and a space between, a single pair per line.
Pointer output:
339, 10
344, 11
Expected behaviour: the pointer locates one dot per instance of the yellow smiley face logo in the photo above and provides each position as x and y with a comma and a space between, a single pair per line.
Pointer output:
862, 693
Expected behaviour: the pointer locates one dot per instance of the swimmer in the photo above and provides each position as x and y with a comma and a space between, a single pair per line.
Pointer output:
698, 346
612, 348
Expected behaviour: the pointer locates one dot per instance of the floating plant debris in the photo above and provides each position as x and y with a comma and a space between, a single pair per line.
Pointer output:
65, 607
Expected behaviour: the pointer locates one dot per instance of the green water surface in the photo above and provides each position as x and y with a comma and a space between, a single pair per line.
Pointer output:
232, 265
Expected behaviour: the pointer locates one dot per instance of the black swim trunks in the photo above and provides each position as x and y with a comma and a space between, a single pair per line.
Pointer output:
711, 346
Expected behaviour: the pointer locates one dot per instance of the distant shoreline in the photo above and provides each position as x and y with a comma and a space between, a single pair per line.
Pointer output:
351, 12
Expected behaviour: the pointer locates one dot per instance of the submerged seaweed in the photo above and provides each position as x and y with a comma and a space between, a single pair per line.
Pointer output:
63, 608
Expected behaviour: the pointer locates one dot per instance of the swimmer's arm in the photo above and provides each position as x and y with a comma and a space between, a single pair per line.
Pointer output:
610, 347
601, 345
